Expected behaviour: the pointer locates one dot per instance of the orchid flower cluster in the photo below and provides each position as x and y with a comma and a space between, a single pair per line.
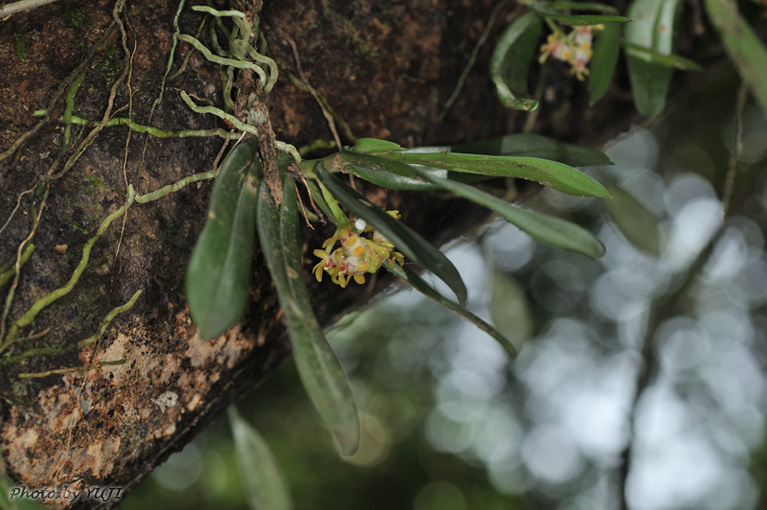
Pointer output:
573, 48
357, 254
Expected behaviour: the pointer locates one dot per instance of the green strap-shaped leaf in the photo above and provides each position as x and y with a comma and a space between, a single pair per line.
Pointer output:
653, 28
550, 173
320, 371
218, 273
424, 288
510, 63
518, 144
603, 61
746, 50
260, 473
385, 172
412, 245
535, 146
380, 171
546, 229
386, 179
553, 10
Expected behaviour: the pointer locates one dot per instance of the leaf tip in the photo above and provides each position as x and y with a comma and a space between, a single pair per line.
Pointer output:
349, 445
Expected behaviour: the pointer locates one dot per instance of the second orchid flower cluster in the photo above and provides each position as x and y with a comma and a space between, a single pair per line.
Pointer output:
573, 48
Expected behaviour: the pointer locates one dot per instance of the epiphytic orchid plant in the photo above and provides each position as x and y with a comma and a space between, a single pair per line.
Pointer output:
368, 237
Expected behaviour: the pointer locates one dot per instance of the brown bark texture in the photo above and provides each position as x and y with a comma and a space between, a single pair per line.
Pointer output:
385, 67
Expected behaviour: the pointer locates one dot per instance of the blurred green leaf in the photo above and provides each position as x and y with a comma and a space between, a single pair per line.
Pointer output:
649, 85
218, 274
411, 244
653, 28
584, 6
744, 47
550, 173
14, 501
319, 369
553, 10
510, 63
415, 281
637, 224
509, 310
259, 470
546, 229
535, 146
603, 61
675, 61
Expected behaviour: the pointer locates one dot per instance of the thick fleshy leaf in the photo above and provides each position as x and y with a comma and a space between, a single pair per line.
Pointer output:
373, 145
634, 220
604, 60
377, 169
554, 10
510, 63
550, 173
535, 146
374, 167
747, 52
319, 369
218, 273
427, 290
546, 229
387, 179
653, 28
260, 473
412, 245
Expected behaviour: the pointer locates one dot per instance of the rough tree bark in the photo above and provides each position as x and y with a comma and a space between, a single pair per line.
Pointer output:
385, 67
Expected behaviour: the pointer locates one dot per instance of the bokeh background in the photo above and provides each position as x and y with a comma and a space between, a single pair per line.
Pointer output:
656, 353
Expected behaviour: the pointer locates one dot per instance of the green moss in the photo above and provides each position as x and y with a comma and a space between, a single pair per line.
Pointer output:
389, 17
170, 233
108, 67
18, 44
75, 16
358, 44
94, 180
79, 228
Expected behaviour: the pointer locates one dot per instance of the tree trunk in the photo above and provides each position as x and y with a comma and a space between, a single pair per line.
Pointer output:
386, 68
